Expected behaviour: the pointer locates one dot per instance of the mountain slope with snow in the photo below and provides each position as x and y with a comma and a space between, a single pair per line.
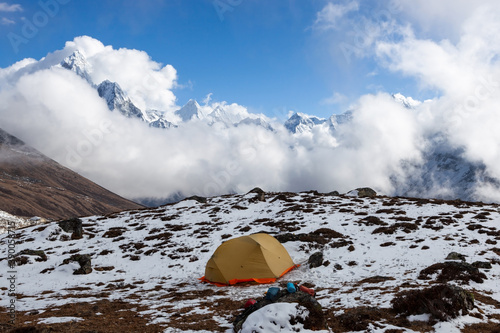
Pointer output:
31, 184
146, 263
191, 110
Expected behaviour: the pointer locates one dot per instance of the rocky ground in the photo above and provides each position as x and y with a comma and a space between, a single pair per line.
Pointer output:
371, 261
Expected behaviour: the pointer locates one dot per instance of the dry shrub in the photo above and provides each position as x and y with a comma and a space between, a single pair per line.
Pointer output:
404, 226
453, 271
442, 301
358, 319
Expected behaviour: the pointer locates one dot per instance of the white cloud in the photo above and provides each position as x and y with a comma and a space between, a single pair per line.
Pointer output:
329, 17
9, 8
466, 73
336, 98
441, 19
207, 98
5, 7
6, 21
148, 83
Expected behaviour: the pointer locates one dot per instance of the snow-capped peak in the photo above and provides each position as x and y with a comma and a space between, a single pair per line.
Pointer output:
77, 63
227, 116
192, 110
301, 122
407, 102
339, 119
157, 119
116, 98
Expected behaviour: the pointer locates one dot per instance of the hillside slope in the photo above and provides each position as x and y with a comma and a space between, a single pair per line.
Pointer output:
31, 184
146, 263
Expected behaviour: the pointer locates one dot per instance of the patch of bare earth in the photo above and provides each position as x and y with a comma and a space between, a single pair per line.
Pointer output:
213, 303
101, 316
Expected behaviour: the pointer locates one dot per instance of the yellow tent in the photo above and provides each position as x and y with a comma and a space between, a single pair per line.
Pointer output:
258, 257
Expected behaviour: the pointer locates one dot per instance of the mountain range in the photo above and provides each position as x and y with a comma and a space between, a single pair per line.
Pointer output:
441, 172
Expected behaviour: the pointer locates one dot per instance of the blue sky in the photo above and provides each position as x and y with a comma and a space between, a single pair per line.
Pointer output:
319, 57
268, 56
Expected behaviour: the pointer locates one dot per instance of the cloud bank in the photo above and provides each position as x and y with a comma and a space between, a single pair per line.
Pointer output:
385, 146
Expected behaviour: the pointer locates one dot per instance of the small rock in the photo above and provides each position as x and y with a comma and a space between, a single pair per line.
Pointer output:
315, 260
455, 256
197, 198
482, 264
40, 253
338, 267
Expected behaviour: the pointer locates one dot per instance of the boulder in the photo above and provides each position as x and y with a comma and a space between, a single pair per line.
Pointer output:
362, 192
74, 226
260, 194
83, 260
366, 192
314, 321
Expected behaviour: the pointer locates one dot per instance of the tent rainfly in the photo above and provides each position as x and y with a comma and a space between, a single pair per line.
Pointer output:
258, 257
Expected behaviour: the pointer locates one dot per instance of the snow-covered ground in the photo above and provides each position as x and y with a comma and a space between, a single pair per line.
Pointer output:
10, 221
152, 258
